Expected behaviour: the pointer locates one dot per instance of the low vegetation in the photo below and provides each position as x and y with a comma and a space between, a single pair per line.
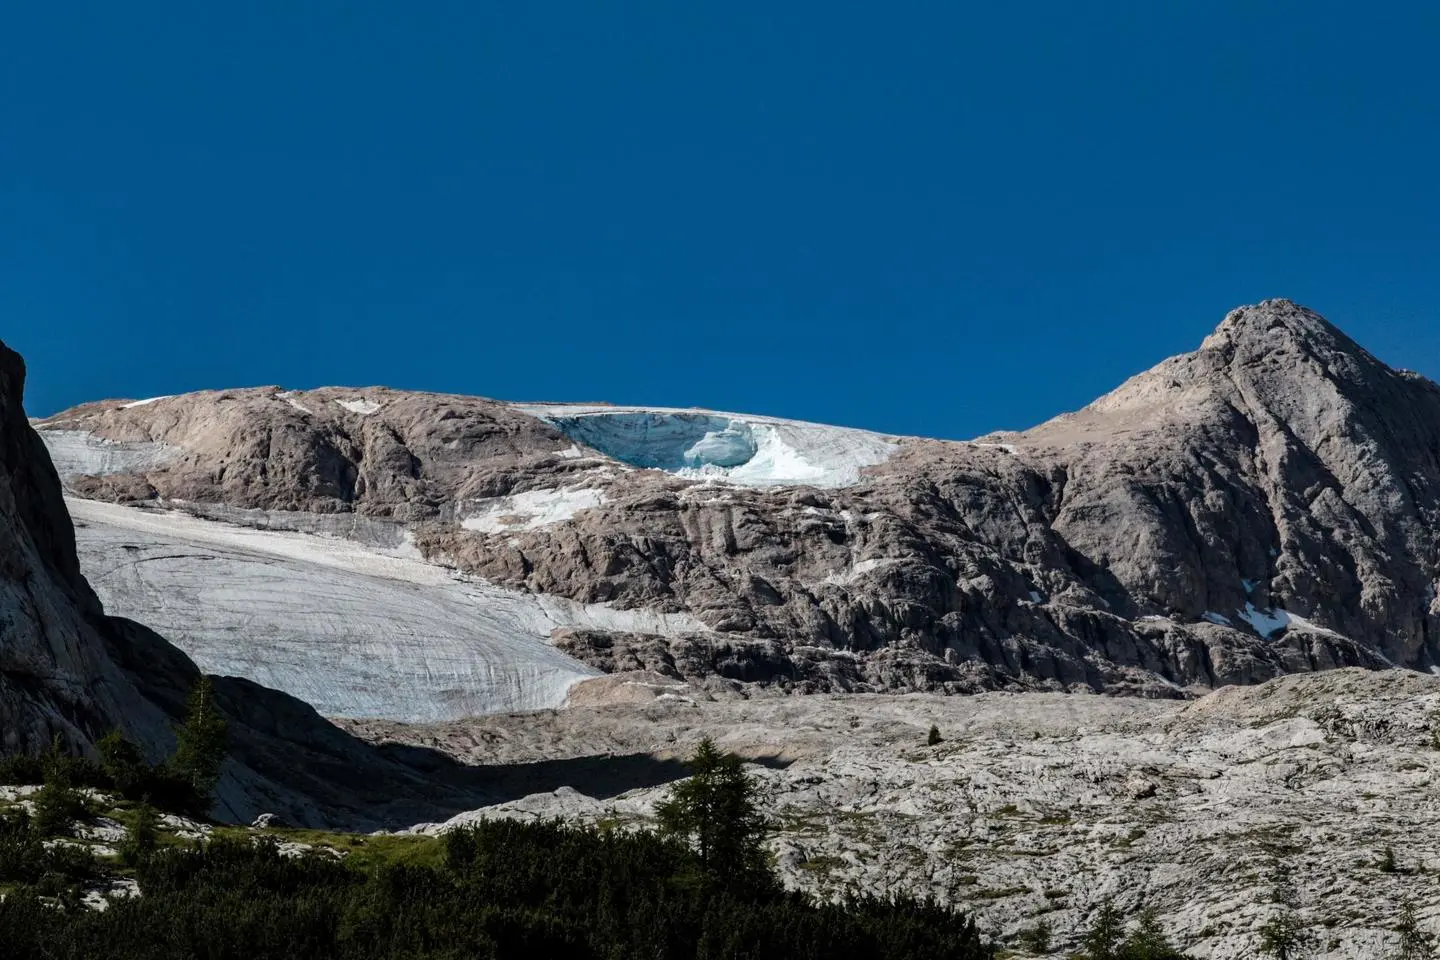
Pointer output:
700, 886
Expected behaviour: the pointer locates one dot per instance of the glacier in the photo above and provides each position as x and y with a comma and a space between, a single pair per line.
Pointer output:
77, 452
742, 449
351, 630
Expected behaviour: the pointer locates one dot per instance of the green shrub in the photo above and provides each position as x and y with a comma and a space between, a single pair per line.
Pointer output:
21, 770
143, 836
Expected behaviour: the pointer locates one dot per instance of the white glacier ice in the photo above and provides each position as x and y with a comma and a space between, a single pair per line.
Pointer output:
77, 452
858, 570
734, 448
525, 511
353, 632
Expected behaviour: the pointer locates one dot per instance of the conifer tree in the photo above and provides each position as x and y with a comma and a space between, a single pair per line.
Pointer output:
715, 812
1285, 936
202, 741
1102, 941
1148, 941
123, 764
57, 803
1414, 945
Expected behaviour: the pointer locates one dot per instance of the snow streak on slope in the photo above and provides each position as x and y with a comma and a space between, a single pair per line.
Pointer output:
737, 448
526, 511
76, 452
353, 632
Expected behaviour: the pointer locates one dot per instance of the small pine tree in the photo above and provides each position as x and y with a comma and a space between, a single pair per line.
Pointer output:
1036, 940
123, 764
143, 837
1285, 935
714, 810
202, 741
1414, 945
1387, 863
58, 804
1102, 941
934, 737
1148, 941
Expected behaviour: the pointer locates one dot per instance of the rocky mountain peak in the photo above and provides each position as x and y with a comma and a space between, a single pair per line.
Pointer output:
1277, 333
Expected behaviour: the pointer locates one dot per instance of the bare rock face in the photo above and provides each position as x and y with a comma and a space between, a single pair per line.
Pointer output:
55, 673
1264, 505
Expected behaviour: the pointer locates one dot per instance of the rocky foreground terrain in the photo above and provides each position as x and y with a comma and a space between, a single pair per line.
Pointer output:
1264, 505
1036, 806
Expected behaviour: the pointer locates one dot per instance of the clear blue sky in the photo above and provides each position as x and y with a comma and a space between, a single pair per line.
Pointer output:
932, 218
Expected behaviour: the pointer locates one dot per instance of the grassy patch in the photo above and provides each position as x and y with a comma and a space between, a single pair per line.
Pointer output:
361, 851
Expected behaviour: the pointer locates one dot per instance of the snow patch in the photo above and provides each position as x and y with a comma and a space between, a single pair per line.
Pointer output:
140, 403
1035, 597
1214, 617
1269, 622
360, 406
289, 397
526, 511
1009, 448
858, 570
572, 453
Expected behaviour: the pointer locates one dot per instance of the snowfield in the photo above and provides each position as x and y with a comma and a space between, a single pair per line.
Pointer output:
526, 511
730, 447
76, 452
354, 632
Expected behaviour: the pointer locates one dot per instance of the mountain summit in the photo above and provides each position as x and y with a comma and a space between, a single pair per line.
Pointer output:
1263, 505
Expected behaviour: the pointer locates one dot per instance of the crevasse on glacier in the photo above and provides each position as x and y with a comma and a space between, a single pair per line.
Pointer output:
753, 451
663, 441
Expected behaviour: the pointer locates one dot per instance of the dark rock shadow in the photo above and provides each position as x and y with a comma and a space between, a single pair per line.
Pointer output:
599, 777
287, 759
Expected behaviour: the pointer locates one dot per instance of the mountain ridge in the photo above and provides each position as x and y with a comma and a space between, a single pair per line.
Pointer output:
1259, 506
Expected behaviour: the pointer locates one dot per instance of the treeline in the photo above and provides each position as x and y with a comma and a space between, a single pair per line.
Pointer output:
183, 783
700, 887
505, 889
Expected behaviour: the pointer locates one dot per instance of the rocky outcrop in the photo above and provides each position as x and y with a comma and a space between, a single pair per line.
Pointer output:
1264, 505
